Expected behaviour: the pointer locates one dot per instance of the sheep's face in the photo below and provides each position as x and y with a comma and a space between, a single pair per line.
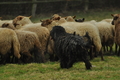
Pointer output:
46, 22
80, 20
21, 20
8, 25
116, 19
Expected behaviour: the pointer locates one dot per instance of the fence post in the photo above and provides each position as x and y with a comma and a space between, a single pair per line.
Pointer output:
34, 6
86, 5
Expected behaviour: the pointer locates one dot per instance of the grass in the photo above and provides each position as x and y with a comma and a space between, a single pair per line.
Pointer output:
101, 70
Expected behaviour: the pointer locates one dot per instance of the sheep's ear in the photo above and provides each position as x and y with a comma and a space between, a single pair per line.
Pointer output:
65, 17
74, 17
20, 18
49, 21
74, 33
29, 16
58, 18
112, 15
83, 19
86, 35
41, 20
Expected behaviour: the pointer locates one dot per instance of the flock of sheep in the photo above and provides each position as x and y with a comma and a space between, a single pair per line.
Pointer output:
30, 42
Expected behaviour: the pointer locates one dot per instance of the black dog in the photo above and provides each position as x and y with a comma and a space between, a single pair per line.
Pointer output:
69, 47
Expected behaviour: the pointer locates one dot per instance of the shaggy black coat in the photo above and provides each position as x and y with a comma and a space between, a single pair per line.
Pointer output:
70, 47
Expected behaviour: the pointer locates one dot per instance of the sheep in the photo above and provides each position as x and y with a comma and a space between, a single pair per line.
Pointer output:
55, 17
70, 18
80, 20
115, 21
107, 20
3, 21
29, 42
70, 47
21, 21
81, 29
9, 43
106, 32
42, 33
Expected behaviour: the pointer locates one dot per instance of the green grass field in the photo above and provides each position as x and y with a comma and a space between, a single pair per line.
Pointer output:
101, 70
109, 69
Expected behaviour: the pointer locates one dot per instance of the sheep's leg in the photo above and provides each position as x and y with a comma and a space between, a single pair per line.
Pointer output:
39, 56
87, 63
116, 47
119, 51
3, 59
8, 59
101, 54
104, 48
110, 49
29, 57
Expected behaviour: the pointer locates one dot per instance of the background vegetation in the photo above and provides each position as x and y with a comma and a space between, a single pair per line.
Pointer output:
12, 8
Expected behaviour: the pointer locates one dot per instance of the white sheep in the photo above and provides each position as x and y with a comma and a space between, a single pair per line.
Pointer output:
3, 21
106, 31
9, 43
29, 42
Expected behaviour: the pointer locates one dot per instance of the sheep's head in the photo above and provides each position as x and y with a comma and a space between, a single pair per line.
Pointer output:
116, 19
46, 22
8, 25
21, 20
55, 17
80, 20
70, 18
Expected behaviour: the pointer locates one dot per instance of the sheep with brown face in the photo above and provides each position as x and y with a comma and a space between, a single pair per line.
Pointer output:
21, 21
116, 22
42, 32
